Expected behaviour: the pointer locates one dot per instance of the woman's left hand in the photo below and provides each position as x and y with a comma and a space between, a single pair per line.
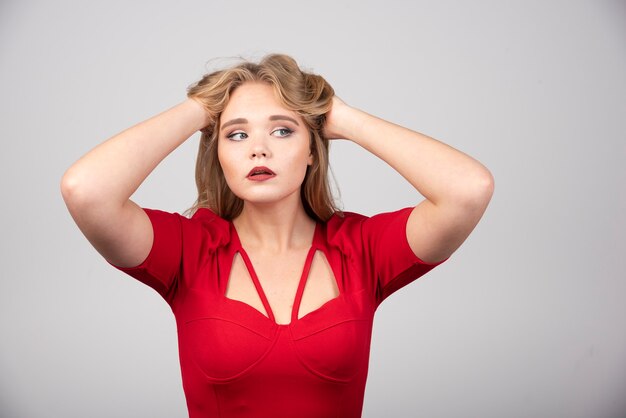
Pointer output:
336, 120
457, 188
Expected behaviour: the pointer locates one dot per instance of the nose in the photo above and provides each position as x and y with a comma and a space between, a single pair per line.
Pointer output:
258, 153
259, 148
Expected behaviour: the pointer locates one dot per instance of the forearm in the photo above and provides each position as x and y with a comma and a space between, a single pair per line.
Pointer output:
439, 172
110, 173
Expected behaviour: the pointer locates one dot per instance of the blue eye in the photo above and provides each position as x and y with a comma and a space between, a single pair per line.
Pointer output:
282, 132
237, 136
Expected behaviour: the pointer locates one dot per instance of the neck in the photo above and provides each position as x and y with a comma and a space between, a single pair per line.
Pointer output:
274, 227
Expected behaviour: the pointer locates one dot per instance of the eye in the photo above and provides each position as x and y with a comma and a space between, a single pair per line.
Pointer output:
282, 132
237, 136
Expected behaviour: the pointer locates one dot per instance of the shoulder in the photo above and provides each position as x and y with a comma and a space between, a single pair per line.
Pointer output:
206, 218
350, 222
344, 230
349, 229
204, 226
343, 222
210, 224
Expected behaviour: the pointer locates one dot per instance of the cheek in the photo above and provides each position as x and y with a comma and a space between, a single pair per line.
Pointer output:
299, 166
225, 158
227, 162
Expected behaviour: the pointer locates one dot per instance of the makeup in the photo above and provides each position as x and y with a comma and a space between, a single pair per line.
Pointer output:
260, 173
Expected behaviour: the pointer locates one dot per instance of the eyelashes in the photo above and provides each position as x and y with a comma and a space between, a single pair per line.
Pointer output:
237, 136
284, 132
279, 133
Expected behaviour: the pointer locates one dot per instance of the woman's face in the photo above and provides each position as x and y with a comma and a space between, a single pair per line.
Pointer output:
263, 147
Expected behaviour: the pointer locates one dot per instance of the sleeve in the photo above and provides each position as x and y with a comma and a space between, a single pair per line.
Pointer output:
161, 268
393, 263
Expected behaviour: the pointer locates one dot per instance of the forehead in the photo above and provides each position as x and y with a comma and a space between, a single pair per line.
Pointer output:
254, 99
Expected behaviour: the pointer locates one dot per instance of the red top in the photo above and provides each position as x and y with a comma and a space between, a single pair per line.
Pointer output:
238, 362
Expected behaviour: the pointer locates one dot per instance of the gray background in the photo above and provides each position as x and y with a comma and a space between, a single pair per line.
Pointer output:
525, 320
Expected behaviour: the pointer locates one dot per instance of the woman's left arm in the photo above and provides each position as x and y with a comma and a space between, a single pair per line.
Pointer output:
457, 188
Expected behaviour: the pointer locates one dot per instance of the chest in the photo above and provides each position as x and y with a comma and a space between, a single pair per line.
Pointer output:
250, 316
284, 287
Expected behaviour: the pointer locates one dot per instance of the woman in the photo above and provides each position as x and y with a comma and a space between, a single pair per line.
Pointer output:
273, 290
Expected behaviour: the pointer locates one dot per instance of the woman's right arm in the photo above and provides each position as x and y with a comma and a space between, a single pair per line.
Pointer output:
97, 187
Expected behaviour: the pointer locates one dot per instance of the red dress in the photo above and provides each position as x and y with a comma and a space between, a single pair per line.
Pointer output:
238, 362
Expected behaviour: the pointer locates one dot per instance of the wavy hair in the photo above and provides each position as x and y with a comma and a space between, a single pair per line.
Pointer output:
306, 94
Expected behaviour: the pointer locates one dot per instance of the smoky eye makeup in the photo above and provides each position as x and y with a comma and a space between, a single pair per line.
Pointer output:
237, 136
282, 132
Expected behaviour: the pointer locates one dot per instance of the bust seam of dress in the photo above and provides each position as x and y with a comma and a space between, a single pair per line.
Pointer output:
319, 308
341, 296
244, 372
314, 372
217, 318
329, 327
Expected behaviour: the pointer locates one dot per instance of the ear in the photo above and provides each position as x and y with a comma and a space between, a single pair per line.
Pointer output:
310, 159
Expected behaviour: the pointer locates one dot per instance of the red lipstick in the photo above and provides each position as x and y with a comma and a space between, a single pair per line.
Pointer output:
260, 174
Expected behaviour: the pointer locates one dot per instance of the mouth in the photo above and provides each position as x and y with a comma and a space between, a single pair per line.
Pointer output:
260, 173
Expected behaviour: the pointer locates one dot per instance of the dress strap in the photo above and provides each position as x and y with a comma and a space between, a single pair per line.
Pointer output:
302, 284
257, 284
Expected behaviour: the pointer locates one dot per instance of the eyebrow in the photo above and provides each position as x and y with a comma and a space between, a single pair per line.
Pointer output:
283, 117
234, 122
238, 121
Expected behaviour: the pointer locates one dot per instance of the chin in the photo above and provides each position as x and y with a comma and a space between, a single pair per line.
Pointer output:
266, 198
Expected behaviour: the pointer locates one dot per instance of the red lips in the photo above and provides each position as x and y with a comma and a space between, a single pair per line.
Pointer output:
260, 173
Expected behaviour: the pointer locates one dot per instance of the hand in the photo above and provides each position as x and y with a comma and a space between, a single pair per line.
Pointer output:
332, 127
201, 111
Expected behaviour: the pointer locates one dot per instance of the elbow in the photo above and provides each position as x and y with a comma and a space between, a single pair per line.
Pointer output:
69, 186
74, 190
486, 185
484, 188
478, 191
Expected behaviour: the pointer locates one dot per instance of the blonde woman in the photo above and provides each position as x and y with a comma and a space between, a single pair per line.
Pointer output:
274, 290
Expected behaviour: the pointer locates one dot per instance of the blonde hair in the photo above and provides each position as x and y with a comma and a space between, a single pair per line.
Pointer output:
308, 95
